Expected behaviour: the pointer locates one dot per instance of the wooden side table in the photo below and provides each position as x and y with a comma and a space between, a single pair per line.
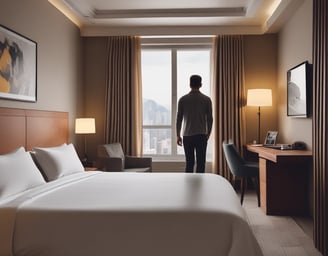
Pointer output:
88, 169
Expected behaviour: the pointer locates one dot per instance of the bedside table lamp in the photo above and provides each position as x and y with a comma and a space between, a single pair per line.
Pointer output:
85, 126
259, 98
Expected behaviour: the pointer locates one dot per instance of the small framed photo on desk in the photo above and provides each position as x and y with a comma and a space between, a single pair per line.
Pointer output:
271, 138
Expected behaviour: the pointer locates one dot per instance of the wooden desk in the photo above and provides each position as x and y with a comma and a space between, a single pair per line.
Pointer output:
284, 180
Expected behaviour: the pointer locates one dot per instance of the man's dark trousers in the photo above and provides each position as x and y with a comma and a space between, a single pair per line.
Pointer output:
191, 144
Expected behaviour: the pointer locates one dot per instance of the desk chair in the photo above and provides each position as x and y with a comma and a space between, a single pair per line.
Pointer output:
241, 169
111, 158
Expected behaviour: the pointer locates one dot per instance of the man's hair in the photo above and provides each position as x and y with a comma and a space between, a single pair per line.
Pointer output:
195, 81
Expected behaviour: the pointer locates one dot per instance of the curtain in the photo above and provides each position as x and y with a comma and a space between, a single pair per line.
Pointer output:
123, 95
228, 91
320, 124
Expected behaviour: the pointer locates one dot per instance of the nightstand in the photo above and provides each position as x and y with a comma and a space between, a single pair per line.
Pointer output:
88, 169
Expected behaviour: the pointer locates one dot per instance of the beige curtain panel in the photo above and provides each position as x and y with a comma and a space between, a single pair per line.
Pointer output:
123, 96
228, 81
320, 124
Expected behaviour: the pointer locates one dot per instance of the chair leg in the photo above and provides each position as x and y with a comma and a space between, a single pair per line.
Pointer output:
257, 189
242, 189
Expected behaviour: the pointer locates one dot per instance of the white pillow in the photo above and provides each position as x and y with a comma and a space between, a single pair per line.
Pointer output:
18, 173
57, 162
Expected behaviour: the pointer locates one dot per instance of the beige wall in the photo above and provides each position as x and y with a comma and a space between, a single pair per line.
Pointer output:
59, 55
261, 73
294, 47
95, 86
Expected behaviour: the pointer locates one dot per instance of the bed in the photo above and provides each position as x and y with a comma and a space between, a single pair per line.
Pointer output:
56, 208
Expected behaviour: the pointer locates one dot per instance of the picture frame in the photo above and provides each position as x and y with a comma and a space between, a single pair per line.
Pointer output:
18, 66
271, 138
299, 80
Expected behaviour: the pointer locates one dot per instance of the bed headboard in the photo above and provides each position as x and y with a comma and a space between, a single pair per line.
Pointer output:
31, 128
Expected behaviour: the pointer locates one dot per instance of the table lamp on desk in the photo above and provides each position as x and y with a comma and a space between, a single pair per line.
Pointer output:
259, 98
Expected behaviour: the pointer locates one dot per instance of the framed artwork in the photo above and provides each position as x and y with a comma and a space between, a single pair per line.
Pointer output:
271, 138
18, 66
299, 90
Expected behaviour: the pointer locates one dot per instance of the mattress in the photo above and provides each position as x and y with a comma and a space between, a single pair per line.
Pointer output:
121, 214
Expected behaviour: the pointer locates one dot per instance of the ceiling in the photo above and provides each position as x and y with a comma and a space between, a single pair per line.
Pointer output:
176, 17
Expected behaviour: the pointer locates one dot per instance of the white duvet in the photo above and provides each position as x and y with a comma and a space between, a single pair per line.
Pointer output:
125, 214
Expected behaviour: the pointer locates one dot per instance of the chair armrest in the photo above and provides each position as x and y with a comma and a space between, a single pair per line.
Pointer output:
112, 164
138, 162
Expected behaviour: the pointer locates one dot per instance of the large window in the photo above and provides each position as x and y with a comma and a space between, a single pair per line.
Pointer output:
165, 78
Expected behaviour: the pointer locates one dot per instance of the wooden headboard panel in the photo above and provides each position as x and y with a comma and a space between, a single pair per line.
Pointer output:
31, 128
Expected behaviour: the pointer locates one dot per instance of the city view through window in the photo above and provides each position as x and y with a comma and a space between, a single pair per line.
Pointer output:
165, 78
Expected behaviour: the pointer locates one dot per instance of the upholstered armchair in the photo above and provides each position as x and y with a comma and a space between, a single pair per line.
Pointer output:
111, 158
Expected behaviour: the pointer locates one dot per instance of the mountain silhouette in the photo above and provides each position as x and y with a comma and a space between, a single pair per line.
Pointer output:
155, 114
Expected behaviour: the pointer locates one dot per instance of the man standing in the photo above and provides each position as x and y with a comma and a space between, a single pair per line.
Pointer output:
195, 109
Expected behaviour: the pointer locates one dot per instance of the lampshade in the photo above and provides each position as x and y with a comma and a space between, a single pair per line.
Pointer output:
259, 97
85, 125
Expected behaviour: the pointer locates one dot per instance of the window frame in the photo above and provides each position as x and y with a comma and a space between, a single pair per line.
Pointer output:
175, 45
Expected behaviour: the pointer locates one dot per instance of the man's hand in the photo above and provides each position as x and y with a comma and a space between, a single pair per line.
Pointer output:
179, 141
